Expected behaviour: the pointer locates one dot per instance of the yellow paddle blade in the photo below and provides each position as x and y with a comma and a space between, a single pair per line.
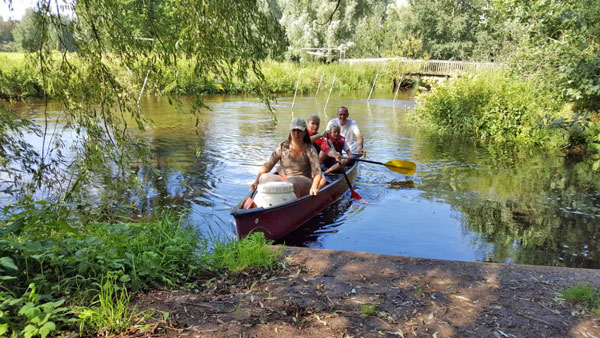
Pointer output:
402, 167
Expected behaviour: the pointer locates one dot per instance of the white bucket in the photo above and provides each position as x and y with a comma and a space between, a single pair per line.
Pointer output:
274, 193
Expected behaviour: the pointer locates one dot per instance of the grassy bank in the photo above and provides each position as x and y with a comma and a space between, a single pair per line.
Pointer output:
506, 109
64, 276
20, 78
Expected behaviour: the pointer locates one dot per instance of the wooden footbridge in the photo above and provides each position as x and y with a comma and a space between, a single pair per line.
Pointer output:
434, 68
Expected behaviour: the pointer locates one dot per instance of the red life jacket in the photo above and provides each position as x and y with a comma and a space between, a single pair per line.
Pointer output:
338, 144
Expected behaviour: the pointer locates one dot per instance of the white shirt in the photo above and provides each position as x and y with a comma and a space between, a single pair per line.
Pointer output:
348, 130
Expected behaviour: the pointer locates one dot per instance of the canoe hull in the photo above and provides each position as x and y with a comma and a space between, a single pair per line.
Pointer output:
278, 221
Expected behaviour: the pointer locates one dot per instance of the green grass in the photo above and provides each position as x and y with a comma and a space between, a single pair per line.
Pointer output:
585, 295
250, 252
580, 293
92, 267
111, 312
11, 60
368, 309
20, 80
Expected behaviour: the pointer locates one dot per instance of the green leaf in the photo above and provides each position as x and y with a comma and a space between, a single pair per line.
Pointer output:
8, 263
46, 329
29, 331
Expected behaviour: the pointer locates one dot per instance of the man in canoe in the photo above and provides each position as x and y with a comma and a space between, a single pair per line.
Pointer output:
299, 162
349, 129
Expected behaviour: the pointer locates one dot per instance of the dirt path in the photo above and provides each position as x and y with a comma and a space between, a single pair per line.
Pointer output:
325, 293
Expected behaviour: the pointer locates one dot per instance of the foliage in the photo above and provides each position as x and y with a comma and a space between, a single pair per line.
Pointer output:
31, 314
30, 33
73, 263
7, 41
111, 312
490, 106
16, 156
447, 28
65, 259
559, 44
324, 24
580, 293
584, 294
251, 251
100, 119
368, 309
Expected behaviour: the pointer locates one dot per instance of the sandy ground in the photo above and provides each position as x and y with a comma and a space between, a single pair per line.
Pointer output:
325, 293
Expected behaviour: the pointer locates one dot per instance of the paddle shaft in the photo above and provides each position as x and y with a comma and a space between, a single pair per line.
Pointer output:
369, 161
402, 167
353, 193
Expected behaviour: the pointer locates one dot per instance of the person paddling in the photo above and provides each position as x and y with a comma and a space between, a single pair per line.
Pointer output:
299, 162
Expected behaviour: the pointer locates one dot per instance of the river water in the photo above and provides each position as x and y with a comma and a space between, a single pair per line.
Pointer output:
466, 202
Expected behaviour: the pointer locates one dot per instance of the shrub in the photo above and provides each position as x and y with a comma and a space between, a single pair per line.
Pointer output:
491, 106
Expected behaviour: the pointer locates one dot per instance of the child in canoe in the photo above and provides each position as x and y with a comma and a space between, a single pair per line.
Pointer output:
330, 157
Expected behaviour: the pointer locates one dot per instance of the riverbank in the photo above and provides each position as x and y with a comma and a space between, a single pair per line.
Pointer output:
327, 293
21, 79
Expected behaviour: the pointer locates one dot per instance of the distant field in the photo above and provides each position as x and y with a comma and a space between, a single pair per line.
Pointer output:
11, 60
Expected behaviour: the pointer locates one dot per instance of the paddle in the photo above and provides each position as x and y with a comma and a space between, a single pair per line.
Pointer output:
402, 167
248, 202
353, 193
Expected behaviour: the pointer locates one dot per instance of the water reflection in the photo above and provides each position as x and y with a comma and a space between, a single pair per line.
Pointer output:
466, 202
326, 222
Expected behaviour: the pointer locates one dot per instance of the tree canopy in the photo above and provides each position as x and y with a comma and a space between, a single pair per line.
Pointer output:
219, 38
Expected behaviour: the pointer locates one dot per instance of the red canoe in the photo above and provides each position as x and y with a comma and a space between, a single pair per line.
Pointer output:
277, 221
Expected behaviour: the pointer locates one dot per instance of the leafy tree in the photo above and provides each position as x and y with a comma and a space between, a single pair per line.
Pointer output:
30, 32
396, 40
368, 39
314, 23
447, 29
99, 111
559, 43
6, 28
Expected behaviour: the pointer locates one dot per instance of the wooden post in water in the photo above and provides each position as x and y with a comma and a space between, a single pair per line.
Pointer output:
397, 89
328, 96
297, 83
143, 86
319, 86
373, 86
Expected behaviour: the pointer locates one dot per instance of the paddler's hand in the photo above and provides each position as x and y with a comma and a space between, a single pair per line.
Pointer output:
314, 191
254, 185
338, 157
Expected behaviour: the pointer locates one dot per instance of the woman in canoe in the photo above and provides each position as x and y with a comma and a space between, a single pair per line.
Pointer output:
299, 162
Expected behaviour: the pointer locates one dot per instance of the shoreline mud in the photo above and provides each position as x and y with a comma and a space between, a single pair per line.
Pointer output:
328, 293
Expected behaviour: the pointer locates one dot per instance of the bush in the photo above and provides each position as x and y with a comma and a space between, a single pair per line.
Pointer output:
49, 259
491, 106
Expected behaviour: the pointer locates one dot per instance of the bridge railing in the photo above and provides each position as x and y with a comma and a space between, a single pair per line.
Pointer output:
432, 67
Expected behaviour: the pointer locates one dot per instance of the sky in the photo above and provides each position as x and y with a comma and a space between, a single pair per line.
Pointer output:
19, 7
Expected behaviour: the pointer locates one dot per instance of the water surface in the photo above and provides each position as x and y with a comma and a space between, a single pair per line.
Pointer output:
466, 202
